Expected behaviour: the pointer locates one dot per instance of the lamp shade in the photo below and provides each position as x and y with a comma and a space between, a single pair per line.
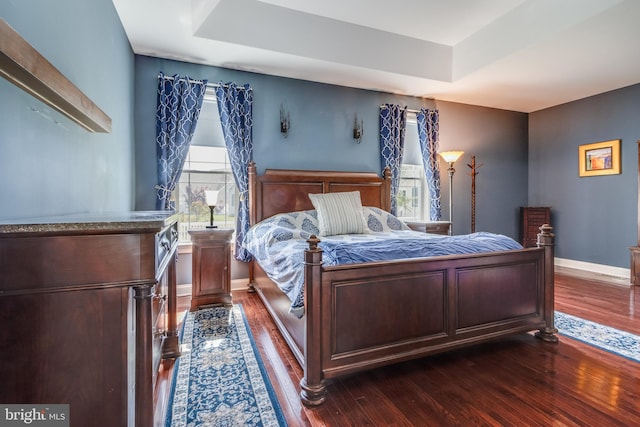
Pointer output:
212, 197
451, 156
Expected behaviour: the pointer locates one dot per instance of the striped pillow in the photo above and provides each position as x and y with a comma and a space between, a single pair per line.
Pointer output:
339, 213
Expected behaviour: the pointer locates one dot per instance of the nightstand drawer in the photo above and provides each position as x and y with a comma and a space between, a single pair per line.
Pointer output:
433, 227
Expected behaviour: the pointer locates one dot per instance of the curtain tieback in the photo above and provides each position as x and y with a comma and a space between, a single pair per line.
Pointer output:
164, 190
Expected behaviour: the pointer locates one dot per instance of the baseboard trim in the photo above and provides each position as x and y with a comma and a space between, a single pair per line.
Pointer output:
619, 274
236, 285
240, 284
183, 289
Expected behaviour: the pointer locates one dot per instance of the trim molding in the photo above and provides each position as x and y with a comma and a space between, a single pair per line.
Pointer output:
23, 66
619, 274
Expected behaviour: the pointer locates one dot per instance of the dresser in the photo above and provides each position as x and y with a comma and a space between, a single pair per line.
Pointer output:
211, 267
88, 311
531, 218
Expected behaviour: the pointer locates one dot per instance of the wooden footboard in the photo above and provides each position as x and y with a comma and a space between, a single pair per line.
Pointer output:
362, 316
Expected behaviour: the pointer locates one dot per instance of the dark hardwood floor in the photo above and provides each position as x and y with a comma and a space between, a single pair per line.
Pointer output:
517, 381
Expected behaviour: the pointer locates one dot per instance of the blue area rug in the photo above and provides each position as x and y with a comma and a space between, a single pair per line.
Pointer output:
612, 340
220, 379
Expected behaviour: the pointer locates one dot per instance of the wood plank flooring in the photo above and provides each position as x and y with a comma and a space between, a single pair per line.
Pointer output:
516, 381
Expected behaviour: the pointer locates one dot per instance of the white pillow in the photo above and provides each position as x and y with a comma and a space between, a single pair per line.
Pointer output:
339, 213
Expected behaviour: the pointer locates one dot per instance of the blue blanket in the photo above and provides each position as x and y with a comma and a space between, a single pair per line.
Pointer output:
348, 252
278, 244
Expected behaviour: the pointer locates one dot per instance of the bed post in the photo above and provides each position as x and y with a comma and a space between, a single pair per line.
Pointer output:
312, 390
546, 241
253, 216
252, 178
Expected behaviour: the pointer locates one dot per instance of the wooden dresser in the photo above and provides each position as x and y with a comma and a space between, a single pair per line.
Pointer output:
88, 310
531, 218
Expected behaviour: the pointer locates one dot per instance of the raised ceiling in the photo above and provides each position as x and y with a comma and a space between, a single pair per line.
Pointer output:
520, 55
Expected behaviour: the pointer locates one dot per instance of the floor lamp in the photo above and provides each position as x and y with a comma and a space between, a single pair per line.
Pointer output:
451, 157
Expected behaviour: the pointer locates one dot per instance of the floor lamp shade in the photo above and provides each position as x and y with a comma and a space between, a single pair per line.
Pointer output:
451, 156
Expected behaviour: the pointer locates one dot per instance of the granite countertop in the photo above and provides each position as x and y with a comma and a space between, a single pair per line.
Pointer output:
90, 222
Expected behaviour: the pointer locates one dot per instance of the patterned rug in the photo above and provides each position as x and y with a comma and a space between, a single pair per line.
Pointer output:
220, 379
612, 340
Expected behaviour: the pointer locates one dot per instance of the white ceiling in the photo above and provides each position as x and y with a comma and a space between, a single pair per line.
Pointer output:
521, 55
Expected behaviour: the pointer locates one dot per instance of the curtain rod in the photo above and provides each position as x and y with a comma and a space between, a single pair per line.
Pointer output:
409, 110
197, 81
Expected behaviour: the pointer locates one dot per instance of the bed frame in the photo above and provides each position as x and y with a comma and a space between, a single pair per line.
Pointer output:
362, 316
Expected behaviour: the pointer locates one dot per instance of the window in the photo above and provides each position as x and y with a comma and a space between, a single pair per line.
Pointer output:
412, 200
207, 167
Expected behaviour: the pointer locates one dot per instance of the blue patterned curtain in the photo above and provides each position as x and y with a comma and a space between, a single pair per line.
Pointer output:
428, 128
179, 103
235, 105
393, 123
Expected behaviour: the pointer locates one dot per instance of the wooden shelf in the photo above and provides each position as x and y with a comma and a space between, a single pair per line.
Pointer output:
23, 66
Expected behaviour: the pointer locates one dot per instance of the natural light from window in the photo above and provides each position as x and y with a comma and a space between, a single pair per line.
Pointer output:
412, 200
206, 168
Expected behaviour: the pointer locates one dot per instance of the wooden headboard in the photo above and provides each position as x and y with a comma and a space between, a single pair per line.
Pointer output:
282, 190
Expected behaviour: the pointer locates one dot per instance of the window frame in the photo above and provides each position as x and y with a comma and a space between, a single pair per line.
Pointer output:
408, 173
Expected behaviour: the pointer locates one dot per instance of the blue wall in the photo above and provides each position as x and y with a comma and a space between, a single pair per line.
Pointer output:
595, 217
497, 138
321, 138
50, 165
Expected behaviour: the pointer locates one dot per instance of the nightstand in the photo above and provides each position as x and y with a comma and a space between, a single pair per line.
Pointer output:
434, 227
211, 267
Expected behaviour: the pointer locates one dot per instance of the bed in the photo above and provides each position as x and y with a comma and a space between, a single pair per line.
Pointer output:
360, 316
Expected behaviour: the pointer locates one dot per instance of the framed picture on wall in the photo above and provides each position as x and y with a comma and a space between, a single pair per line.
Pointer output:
599, 158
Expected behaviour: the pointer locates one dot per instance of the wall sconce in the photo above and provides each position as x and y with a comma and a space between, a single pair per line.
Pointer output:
212, 200
358, 129
451, 157
285, 122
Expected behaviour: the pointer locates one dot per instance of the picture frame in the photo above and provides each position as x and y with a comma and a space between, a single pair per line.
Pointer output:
599, 158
